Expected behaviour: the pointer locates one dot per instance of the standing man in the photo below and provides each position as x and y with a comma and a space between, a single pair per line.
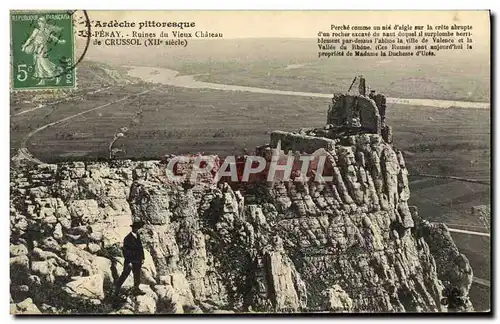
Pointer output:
134, 258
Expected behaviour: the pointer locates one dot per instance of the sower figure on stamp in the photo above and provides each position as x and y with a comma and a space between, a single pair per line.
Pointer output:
134, 258
37, 45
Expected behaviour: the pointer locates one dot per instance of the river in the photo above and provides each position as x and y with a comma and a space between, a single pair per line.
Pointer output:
172, 78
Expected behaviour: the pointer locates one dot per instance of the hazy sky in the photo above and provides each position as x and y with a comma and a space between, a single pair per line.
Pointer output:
244, 24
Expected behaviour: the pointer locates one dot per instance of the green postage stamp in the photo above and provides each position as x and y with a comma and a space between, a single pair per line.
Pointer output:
42, 50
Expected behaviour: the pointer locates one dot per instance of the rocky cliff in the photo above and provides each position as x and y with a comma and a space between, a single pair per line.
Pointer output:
353, 245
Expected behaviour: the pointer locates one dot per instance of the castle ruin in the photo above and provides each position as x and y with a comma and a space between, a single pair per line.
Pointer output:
348, 114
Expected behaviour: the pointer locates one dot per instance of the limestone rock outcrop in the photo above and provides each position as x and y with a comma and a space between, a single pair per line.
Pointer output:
351, 245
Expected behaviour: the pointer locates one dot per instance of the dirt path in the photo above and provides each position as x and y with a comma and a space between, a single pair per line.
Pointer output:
59, 101
435, 176
24, 152
171, 77
482, 282
456, 230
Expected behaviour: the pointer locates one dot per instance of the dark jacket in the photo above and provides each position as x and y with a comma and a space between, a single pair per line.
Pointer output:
132, 248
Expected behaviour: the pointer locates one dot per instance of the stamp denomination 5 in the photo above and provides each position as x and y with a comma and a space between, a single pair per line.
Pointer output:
42, 50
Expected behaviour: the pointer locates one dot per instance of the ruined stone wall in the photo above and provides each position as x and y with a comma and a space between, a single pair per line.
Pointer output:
299, 142
349, 246
342, 110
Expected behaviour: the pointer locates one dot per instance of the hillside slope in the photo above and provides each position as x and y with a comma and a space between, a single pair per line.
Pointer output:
353, 245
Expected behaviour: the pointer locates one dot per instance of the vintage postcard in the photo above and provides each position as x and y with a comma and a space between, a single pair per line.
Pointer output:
250, 162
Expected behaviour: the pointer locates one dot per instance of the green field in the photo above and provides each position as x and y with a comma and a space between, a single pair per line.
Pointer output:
480, 297
179, 120
477, 250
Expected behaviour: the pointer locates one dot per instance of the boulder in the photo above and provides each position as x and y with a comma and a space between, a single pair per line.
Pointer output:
85, 211
51, 244
40, 255
85, 263
160, 242
18, 249
58, 234
337, 300
284, 278
148, 269
26, 307
146, 304
181, 286
111, 231
90, 287
48, 270
79, 259
21, 261
169, 300
150, 203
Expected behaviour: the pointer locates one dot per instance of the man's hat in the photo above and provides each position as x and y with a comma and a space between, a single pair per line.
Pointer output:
137, 224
